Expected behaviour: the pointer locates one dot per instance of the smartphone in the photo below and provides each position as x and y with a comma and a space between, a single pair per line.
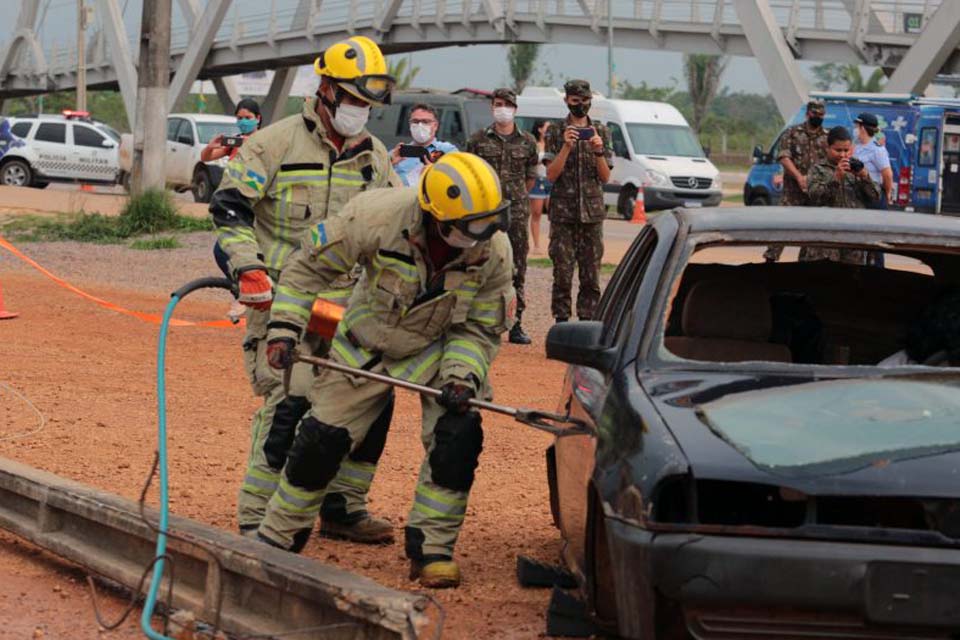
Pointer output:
413, 151
585, 133
855, 165
232, 141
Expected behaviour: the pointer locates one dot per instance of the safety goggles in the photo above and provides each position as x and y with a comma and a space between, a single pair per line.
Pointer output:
375, 88
482, 226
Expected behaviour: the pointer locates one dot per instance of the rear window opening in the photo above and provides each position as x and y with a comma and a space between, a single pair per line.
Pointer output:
817, 304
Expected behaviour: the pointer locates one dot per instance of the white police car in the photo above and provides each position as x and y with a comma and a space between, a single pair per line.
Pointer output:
70, 147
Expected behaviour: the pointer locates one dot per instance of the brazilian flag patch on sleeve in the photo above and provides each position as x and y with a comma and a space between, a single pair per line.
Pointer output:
319, 234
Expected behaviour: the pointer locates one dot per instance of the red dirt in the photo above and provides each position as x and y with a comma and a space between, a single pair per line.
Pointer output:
91, 372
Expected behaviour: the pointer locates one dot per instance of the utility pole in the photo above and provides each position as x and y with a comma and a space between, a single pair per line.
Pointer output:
81, 56
610, 87
153, 79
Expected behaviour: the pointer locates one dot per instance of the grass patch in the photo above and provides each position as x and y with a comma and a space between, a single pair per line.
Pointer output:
734, 198
547, 263
150, 244
152, 212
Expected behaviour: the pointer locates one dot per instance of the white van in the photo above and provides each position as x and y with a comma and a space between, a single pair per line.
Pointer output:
654, 148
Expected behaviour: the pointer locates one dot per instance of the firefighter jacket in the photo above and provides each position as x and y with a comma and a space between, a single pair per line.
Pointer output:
416, 320
287, 177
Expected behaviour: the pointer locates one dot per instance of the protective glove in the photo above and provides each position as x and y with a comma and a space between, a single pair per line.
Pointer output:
256, 289
454, 397
280, 352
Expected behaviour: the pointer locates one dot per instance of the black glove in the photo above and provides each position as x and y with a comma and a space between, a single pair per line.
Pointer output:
280, 352
454, 397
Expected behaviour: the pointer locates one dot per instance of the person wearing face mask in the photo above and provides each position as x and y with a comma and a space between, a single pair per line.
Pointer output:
424, 122
436, 297
248, 121
286, 178
580, 155
873, 155
801, 147
513, 154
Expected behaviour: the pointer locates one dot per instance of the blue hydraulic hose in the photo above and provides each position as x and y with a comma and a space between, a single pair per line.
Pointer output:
151, 601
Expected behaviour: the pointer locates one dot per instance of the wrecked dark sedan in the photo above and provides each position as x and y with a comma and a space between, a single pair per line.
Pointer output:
772, 447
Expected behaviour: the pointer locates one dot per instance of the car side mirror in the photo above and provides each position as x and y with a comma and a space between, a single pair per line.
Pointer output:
580, 343
107, 144
758, 155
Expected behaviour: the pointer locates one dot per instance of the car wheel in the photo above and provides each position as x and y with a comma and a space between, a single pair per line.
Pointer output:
202, 187
16, 173
628, 197
761, 200
124, 181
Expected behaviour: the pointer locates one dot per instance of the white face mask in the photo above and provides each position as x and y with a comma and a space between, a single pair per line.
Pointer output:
458, 240
421, 133
503, 115
350, 120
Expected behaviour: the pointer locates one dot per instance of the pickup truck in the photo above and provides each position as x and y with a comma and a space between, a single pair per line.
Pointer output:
187, 135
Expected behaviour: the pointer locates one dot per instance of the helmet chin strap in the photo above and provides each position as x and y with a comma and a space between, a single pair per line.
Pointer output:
331, 106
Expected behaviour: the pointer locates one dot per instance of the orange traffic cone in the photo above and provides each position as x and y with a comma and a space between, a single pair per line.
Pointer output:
639, 211
4, 314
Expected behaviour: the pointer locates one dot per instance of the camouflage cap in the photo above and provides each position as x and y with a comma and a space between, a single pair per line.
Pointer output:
816, 105
505, 93
577, 88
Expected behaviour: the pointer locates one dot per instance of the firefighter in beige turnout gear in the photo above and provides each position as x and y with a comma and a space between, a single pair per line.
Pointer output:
286, 178
437, 295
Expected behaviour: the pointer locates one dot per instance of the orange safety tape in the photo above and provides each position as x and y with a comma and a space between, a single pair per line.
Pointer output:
145, 317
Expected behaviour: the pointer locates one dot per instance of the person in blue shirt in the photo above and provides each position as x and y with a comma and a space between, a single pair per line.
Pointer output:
424, 122
873, 155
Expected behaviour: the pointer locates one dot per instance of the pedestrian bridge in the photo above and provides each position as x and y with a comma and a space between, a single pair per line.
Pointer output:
226, 37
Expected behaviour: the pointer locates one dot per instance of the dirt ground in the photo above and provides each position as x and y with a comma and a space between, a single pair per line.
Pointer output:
90, 372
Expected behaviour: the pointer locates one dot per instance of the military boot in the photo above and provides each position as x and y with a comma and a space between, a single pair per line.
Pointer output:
366, 530
517, 336
435, 573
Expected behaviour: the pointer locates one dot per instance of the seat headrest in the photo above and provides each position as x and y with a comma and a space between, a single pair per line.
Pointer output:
736, 310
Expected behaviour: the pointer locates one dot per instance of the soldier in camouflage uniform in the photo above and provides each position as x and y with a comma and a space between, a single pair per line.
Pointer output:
801, 147
513, 155
831, 183
580, 155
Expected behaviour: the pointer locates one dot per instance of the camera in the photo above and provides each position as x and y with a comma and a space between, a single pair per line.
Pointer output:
232, 141
855, 165
585, 133
413, 151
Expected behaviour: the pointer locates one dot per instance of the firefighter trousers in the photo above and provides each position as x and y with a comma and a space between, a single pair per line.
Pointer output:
273, 429
342, 409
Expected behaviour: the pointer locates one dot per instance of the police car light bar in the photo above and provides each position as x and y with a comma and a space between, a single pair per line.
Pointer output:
70, 113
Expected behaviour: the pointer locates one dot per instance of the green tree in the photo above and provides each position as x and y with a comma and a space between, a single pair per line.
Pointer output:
702, 73
403, 71
522, 60
643, 91
847, 77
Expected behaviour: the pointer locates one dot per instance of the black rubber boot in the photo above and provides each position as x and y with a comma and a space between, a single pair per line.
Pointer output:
517, 336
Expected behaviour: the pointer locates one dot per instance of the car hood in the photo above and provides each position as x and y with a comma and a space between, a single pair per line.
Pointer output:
885, 435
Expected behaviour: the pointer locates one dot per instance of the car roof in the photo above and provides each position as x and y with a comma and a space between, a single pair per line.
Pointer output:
204, 117
734, 219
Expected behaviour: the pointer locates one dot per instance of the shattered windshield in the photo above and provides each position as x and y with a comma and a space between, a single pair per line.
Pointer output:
838, 426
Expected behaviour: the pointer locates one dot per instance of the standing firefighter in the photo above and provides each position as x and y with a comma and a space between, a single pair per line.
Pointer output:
436, 297
513, 154
580, 153
285, 178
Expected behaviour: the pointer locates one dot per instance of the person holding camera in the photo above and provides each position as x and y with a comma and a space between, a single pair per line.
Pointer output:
513, 155
410, 159
248, 121
839, 181
580, 154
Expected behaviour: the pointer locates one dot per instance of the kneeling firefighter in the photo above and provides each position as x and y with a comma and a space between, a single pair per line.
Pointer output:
436, 298
285, 178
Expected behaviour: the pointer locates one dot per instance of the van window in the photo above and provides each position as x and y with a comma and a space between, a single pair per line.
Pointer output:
619, 142
479, 115
384, 120
928, 147
172, 125
664, 140
52, 132
185, 133
451, 128
21, 129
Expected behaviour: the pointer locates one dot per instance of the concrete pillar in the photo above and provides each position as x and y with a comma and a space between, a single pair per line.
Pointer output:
150, 132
